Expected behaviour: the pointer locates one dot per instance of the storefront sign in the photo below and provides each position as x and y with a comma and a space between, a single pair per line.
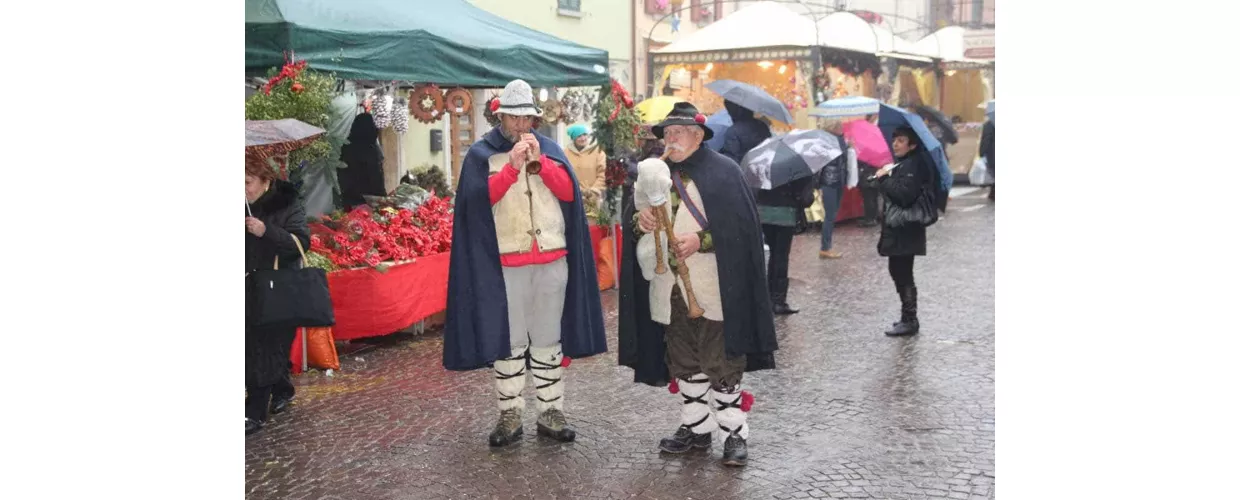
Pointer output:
979, 44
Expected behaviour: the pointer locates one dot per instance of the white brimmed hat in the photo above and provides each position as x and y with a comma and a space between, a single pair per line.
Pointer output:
518, 100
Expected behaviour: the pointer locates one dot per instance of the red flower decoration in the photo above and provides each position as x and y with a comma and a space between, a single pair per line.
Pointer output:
297, 88
746, 401
673, 387
565, 361
494, 105
700, 118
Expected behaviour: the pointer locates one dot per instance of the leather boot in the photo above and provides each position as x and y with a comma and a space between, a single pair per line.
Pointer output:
908, 324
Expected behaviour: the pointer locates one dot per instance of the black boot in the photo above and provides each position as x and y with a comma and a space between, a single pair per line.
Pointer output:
782, 308
908, 324
735, 451
684, 440
779, 300
252, 426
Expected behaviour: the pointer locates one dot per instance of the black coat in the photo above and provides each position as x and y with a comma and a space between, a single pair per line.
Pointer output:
901, 187
795, 194
749, 327
746, 132
267, 349
986, 148
363, 174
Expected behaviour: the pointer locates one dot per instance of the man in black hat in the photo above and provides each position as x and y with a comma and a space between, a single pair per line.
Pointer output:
705, 357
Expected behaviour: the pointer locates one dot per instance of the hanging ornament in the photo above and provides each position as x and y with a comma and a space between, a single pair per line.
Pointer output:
426, 103
380, 109
458, 102
675, 23
552, 111
297, 88
400, 116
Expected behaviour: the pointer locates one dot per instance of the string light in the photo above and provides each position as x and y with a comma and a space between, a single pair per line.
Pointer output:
765, 64
783, 68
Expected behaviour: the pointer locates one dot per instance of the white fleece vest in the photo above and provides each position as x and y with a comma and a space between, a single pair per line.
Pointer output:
529, 212
703, 270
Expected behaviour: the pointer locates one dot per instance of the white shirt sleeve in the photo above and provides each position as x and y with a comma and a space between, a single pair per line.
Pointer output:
852, 168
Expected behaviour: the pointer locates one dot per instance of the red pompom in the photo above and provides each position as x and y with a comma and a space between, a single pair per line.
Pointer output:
700, 118
494, 105
673, 387
746, 401
565, 361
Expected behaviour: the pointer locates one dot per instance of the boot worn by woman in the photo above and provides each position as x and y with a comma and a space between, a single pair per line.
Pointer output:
908, 324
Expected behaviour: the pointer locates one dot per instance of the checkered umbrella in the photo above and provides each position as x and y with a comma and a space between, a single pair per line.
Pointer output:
267, 138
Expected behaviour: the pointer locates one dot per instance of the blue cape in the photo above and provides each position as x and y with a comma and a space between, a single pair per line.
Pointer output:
476, 329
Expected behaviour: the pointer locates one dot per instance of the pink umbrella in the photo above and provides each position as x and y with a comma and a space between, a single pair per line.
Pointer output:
868, 140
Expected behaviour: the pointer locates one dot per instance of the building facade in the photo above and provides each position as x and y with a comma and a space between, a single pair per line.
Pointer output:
601, 24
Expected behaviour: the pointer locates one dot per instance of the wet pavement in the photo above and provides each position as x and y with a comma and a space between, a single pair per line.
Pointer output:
850, 413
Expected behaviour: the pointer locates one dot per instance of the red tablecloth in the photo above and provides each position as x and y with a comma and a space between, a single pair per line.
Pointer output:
369, 303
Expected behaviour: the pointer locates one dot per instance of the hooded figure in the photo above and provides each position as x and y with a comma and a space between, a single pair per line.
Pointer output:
522, 287
746, 132
363, 174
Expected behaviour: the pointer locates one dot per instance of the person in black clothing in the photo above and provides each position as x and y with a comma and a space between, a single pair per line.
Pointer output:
363, 174
274, 217
986, 149
778, 209
746, 132
901, 185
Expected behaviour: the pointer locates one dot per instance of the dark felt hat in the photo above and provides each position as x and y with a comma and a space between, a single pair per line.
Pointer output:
683, 113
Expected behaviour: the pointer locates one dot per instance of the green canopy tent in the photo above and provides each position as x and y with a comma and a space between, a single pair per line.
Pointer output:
446, 42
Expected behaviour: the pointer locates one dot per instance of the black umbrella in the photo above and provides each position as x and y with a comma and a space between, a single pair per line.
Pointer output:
935, 119
786, 158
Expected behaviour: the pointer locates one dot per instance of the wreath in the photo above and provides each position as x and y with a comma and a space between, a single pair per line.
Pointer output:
426, 103
552, 110
458, 102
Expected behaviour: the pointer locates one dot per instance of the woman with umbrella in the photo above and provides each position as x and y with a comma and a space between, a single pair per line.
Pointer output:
274, 216
901, 185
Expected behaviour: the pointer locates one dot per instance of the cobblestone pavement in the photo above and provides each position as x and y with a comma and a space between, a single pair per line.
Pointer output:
850, 413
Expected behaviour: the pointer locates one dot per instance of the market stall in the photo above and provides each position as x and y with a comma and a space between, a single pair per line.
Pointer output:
387, 262
966, 72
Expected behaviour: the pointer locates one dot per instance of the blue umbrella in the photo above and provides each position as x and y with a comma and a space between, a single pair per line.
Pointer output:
751, 97
719, 123
890, 118
844, 107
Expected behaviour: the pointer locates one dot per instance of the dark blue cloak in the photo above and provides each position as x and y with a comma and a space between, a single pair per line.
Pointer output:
476, 329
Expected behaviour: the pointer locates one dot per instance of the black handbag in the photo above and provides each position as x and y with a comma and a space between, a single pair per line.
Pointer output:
921, 213
289, 298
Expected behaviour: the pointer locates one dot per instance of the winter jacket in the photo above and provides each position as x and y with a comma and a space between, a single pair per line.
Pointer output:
746, 132
835, 172
902, 187
267, 349
590, 165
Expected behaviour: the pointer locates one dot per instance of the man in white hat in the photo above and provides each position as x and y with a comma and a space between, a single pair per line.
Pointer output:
522, 287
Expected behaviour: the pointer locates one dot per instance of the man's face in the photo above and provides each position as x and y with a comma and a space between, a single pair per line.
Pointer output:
682, 140
513, 126
901, 146
582, 140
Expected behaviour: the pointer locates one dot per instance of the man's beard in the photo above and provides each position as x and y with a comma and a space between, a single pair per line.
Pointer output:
512, 136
